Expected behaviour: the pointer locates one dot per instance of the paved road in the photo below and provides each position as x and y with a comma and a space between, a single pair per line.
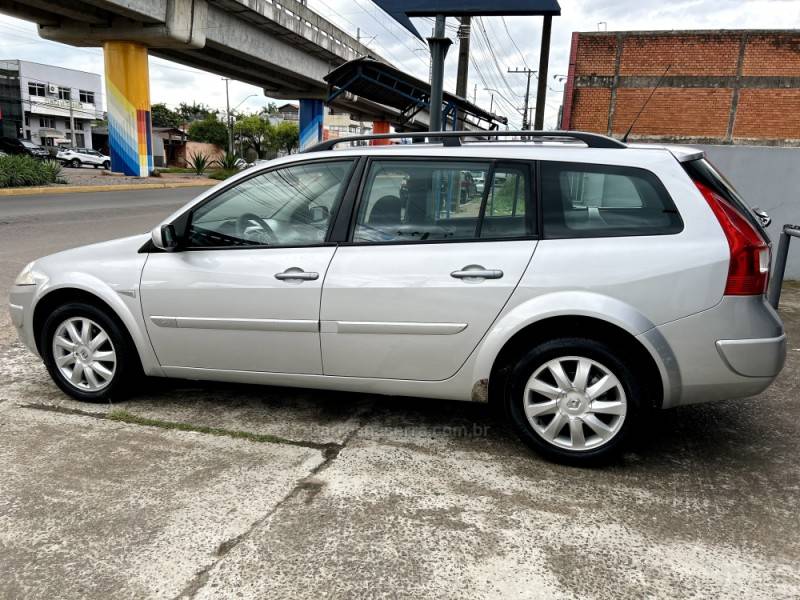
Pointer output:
302, 494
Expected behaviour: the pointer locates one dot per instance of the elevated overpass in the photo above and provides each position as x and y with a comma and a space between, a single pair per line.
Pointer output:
279, 45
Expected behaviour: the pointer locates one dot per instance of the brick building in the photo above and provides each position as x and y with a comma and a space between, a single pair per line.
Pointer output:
739, 87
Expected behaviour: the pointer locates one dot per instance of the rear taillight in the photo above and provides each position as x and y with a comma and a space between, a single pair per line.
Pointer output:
748, 273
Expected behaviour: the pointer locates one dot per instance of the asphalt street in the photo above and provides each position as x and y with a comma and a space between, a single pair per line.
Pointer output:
213, 491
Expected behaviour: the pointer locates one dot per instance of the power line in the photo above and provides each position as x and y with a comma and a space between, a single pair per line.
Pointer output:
508, 31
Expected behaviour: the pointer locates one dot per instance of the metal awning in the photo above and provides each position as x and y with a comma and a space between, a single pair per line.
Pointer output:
387, 85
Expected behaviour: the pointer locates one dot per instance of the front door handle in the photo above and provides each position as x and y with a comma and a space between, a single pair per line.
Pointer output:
476, 273
296, 274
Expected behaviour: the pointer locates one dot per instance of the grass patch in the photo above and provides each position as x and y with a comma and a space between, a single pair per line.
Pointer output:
223, 174
124, 416
174, 170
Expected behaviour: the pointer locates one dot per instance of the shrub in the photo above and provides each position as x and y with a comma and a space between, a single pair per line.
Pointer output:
223, 174
228, 162
198, 163
20, 170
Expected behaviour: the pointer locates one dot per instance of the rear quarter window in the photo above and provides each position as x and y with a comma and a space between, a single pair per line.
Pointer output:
580, 200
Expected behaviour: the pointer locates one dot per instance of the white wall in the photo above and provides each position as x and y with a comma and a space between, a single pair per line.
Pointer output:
769, 178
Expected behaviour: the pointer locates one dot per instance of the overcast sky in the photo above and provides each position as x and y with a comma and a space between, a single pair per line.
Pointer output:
498, 45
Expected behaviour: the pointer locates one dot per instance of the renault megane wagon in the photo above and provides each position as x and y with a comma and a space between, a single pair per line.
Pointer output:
575, 280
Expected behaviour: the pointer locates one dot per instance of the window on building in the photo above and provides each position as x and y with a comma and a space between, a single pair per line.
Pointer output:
581, 200
36, 89
27, 119
48, 122
80, 140
64, 93
87, 97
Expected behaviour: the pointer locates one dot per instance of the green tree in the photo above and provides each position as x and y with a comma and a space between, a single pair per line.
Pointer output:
255, 133
286, 136
210, 130
194, 112
163, 116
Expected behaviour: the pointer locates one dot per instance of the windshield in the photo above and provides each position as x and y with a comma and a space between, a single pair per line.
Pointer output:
28, 144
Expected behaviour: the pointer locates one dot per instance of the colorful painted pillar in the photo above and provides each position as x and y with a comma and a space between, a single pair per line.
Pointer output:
312, 115
128, 96
380, 127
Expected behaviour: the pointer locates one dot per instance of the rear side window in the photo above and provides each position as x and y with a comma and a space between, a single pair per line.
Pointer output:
425, 201
580, 200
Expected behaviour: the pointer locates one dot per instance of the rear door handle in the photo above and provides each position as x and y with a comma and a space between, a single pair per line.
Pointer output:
476, 273
296, 274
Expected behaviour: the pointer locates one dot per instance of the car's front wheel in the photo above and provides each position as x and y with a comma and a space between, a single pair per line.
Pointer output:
75, 163
87, 353
107, 165
575, 400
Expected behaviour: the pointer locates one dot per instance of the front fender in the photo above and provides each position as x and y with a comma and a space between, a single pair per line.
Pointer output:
123, 300
575, 303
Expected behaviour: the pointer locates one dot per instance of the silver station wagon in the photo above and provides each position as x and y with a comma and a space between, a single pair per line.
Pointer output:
576, 281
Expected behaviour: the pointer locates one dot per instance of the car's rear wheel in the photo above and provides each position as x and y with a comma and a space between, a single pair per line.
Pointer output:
575, 400
74, 163
87, 352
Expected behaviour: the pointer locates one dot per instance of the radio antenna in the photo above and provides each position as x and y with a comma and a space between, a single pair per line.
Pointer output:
646, 102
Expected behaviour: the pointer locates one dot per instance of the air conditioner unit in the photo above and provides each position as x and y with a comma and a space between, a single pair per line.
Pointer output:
53, 89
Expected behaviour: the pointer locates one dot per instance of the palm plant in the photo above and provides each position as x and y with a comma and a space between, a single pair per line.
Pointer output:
198, 162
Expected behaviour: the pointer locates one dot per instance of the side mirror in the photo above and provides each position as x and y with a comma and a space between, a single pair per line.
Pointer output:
164, 238
319, 213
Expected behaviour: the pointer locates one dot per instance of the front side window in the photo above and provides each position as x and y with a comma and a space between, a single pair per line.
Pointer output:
419, 201
583, 200
290, 206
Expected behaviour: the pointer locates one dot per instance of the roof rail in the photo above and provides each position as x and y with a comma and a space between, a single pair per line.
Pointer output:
453, 138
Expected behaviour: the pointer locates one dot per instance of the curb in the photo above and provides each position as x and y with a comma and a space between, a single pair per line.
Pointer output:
122, 187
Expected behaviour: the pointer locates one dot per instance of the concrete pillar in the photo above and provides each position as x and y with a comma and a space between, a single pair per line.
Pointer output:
380, 127
312, 115
128, 96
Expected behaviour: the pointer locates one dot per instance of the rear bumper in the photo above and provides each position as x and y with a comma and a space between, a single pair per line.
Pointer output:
733, 350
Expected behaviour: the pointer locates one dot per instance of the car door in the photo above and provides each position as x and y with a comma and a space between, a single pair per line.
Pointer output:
432, 258
244, 293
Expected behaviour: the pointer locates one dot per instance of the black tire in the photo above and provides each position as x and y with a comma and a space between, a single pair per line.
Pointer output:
619, 364
75, 163
107, 165
127, 369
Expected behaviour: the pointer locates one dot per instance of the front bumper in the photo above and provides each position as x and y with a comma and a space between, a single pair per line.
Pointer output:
20, 308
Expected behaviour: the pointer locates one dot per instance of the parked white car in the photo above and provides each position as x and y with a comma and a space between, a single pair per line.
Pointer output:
584, 285
78, 157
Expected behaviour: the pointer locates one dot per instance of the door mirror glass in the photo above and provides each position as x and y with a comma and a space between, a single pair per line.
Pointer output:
319, 214
164, 238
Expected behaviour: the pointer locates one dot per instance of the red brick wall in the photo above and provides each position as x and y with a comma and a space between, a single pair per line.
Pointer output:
590, 108
711, 84
672, 112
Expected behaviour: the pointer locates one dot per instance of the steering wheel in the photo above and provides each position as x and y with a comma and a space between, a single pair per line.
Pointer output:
246, 221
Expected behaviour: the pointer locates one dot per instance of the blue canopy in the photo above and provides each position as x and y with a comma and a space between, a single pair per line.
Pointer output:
401, 10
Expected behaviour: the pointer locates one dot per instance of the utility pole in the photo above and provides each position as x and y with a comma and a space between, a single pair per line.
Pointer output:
463, 60
544, 59
475, 94
228, 115
530, 73
439, 44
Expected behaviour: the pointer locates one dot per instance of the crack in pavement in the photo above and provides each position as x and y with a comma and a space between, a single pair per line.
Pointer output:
307, 483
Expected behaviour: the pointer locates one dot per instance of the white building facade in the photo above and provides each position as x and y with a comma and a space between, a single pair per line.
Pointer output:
57, 106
